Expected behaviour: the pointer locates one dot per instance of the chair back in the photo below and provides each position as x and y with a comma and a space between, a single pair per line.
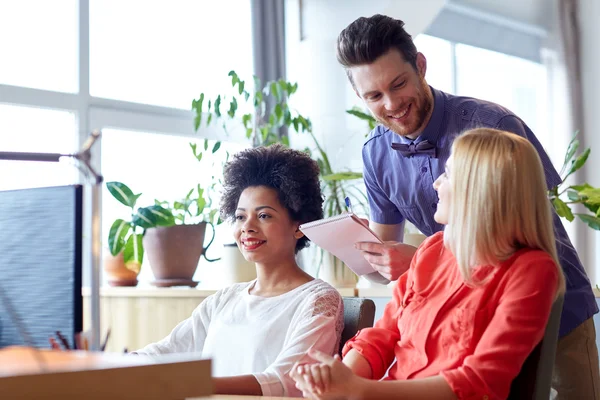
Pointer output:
535, 379
359, 313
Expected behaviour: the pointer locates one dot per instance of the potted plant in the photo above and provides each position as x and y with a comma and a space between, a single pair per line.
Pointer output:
174, 249
126, 251
268, 121
584, 194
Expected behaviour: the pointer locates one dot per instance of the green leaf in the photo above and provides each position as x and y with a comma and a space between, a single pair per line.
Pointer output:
573, 195
205, 144
592, 195
571, 150
134, 249
155, 215
579, 188
246, 119
592, 221
122, 193
197, 105
216, 147
116, 236
278, 112
579, 161
360, 114
200, 204
285, 140
241, 87
343, 176
209, 119
193, 146
275, 90
211, 216
562, 209
232, 107
217, 107
246, 96
249, 132
234, 77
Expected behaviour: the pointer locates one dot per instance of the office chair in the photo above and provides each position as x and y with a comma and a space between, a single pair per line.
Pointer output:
534, 380
359, 313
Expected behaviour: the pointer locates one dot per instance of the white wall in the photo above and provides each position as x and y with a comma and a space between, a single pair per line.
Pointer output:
589, 15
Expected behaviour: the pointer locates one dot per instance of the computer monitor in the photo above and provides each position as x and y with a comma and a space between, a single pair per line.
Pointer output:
40, 264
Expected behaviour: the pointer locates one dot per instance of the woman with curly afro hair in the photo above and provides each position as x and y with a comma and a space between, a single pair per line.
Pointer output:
255, 331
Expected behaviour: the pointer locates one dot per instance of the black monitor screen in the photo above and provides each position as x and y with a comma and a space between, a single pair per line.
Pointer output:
40, 264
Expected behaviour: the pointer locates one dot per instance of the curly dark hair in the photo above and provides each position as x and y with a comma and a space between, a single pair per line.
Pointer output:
292, 173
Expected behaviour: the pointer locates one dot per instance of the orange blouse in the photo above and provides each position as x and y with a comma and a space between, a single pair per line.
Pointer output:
476, 337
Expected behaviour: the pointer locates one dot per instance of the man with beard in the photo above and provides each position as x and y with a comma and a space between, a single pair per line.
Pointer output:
407, 152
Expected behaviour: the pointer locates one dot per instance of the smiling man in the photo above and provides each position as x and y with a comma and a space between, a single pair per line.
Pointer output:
407, 152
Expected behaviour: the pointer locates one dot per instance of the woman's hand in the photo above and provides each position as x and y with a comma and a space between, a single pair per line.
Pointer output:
327, 379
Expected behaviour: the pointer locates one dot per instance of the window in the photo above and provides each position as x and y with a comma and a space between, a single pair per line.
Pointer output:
26, 129
438, 53
39, 45
167, 53
160, 167
515, 83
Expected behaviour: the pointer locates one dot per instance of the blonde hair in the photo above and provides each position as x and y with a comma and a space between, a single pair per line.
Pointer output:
499, 203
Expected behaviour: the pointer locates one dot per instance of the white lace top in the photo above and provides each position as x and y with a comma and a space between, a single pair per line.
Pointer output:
263, 336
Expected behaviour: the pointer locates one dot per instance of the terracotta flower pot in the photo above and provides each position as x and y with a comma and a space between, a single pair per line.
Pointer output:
174, 253
116, 271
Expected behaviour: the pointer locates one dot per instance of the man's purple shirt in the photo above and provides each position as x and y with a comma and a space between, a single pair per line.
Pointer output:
401, 187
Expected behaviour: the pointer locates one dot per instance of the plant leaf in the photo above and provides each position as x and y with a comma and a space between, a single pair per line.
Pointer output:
134, 250
216, 147
217, 106
234, 77
579, 161
122, 193
591, 195
116, 236
571, 150
562, 209
592, 221
343, 176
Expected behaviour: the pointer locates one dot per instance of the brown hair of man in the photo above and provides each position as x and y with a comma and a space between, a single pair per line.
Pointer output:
367, 39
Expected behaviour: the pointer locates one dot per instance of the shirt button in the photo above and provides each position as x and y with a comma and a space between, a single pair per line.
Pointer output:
485, 397
464, 112
424, 169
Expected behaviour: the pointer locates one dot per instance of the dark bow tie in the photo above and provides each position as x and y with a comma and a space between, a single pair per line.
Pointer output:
408, 150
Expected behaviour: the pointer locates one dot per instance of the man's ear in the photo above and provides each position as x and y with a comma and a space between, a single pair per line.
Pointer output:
298, 234
421, 65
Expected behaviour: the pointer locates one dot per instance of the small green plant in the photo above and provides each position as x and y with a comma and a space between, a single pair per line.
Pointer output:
584, 194
365, 116
197, 205
126, 235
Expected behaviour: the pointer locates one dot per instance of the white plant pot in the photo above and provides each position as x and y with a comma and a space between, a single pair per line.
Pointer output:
234, 267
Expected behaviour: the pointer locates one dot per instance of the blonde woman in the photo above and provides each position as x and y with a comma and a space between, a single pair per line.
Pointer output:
477, 297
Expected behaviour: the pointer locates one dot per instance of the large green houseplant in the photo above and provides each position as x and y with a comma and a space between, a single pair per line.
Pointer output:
267, 118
